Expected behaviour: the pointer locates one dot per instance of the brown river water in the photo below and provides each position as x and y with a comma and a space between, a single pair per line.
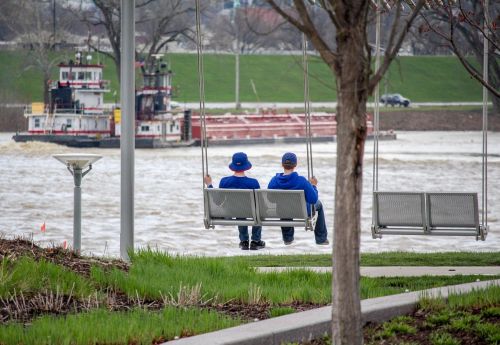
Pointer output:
35, 188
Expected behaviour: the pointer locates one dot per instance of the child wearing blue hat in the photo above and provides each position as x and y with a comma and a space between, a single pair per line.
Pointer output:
289, 179
239, 180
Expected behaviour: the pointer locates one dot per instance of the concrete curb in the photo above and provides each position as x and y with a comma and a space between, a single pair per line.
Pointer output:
315, 323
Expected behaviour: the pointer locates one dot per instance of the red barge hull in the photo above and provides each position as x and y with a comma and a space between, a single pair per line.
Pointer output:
268, 128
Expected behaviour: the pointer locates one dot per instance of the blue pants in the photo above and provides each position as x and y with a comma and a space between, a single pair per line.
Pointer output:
320, 231
256, 231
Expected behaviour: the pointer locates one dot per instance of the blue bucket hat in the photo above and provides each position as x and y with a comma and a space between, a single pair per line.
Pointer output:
240, 162
289, 158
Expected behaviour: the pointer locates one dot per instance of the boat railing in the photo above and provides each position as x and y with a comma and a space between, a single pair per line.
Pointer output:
85, 84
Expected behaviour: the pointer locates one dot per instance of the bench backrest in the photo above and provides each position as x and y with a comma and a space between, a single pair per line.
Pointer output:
276, 204
443, 213
402, 209
255, 207
452, 210
230, 204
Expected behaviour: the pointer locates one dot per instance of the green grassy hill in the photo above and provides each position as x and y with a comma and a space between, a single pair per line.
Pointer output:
276, 78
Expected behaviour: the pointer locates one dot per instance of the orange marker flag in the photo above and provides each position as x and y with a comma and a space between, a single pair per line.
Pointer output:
43, 228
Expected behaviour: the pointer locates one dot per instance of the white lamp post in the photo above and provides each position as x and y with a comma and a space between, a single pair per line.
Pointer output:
76, 162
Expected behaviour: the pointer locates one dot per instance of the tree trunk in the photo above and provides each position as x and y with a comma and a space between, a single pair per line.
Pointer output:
46, 89
352, 72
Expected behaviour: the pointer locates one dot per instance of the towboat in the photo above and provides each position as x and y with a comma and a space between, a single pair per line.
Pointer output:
77, 116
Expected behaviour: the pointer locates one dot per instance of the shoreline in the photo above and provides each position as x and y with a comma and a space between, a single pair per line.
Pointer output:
402, 119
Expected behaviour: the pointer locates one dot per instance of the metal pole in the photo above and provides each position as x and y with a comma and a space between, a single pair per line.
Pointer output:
376, 96
77, 211
237, 86
237, 61
485, 118
127, 140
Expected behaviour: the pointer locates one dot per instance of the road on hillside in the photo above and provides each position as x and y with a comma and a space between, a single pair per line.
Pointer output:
291, 105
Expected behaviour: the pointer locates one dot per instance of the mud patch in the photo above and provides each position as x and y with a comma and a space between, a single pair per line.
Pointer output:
16, 248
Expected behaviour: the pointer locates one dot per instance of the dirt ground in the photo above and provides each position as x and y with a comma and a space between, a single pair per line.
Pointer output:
439, 120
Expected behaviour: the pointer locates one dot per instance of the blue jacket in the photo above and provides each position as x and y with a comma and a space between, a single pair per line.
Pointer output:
239, 182
294, 181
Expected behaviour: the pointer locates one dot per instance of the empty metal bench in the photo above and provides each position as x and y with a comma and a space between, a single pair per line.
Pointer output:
454, 214
398, 213
439, 214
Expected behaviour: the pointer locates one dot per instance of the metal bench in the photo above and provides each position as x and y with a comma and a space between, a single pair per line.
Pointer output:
277, 207
438, 214
229, 207
249, 207
398, 213
454, 214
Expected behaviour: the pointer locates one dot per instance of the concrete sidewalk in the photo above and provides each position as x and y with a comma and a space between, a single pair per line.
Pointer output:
402, 271
315, 323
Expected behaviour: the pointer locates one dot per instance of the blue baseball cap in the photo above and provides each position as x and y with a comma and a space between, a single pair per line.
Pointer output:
289, 158
240, 162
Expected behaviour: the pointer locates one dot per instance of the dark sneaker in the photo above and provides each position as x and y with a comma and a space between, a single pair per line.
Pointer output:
288, 242
244, 245
325, 243
254, 245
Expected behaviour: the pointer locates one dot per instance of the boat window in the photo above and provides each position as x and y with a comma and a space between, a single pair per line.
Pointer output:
144, 128
81, 75
68, 123
64, 76
172, 127
73, 75
37, 123
88, 75
96, 124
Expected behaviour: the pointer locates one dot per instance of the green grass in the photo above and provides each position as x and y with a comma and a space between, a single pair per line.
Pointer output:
398, 325
379, 259
28, 276
276, 78
105, 327
446, 321
155, 274
279, 311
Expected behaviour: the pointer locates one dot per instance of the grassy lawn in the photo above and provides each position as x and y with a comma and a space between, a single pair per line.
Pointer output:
165, 296
133, 327
277, 78
380, 259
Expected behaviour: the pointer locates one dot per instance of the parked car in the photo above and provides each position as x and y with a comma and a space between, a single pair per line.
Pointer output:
394, 99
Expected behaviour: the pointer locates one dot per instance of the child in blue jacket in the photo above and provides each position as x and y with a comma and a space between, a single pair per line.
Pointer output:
289, 179
238, 180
